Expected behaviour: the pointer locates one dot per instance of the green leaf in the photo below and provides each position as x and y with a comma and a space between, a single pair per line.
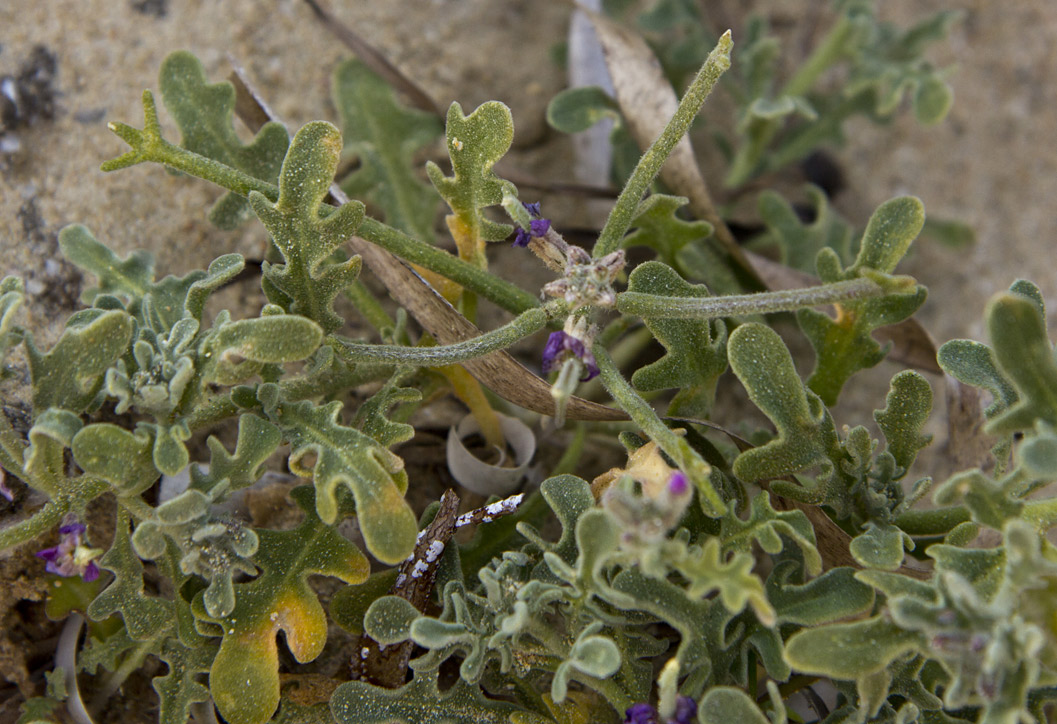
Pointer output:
244, 678
657, 226
144, 615
204, 114
388, 620
12, 294
307, 283
70, 374
907, 409
843, 345
834, 595
385, 136
131, 277
1025, 356
45, 464
257, 440
272, 339
990, 502
116, 455
372, 417
880, 546
805, 430
696, 353
179, 688
766, 526
475, 143
724, 704
798, 242
345, 456
421, 702
575, 110
851, 651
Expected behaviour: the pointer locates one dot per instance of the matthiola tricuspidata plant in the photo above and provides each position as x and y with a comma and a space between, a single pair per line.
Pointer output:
798, 572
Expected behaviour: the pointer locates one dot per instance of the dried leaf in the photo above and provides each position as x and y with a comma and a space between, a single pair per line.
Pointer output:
487, 479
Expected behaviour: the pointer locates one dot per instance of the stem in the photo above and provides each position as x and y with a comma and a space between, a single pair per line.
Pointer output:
525, 324
148, 145
650, 164
762, 131
28, 529
501, 292
656, 307
136, 507
684, 456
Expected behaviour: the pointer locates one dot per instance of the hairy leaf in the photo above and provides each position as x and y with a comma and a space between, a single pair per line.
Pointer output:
384, 136
244, 678
204, 113
180, 688
843, 345
475, 143
257, 440
307, 283
801, 242
116, 455
908, 406
696, 350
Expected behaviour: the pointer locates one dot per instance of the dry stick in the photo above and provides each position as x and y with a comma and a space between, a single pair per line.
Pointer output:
376, 61
498, 371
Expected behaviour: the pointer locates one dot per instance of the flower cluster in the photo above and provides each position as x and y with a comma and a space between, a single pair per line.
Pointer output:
71, 557
562, 346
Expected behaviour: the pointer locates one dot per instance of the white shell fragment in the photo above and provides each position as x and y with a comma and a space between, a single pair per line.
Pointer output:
481, 477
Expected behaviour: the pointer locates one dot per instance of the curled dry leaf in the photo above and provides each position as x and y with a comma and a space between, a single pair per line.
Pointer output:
487, 479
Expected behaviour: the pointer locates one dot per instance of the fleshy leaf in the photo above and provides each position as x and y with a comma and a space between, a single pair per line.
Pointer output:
696, 350
179, 688
384, 135
70, 374
656, 226
116, 455
421, 702
723, 704
475, 143
575, 110
766, 526
805, 430
345, 456
908, 406
204, 114
834, 595
130, 277
144, 615
851, 651
244, 678
372, 417
307, 283
843, 346
1025, 356
880, 546
257, 440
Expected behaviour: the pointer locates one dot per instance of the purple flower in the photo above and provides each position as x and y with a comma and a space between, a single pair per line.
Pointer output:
641, 714
559, 346
685, 713
677, 484
537, 227
71, 557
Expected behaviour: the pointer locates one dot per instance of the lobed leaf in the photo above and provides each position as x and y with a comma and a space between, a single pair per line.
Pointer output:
800, 242
257, 440
475, 143
695, 350
121, 458
844, 345
907, 409
204, 114
307, 283
384, 135
345, 456
244, 677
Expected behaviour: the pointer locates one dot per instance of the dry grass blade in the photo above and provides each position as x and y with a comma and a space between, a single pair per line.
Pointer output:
647, 102
498, 371
911, 343
374, 60
968, 446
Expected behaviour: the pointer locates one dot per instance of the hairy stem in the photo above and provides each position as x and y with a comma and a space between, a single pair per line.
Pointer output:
650, 164
525, 324
39, 523
650, 306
